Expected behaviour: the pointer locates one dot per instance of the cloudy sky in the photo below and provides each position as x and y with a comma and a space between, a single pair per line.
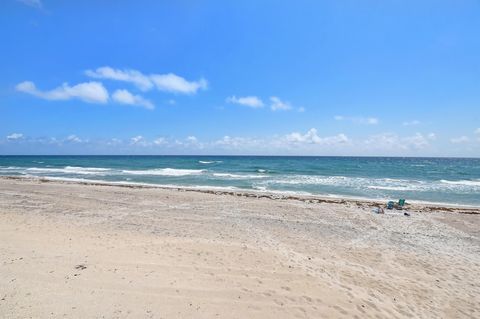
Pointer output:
337, 77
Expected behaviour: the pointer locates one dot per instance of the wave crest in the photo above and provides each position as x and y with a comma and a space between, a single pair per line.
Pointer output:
237, 176
165, 172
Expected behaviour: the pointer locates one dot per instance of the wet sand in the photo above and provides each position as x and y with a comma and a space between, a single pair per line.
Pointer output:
87, 251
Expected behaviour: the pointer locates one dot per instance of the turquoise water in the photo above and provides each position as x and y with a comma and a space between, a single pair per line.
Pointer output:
442, 180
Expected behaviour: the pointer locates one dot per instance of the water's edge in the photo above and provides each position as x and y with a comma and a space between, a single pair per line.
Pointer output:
416, 206
425, 180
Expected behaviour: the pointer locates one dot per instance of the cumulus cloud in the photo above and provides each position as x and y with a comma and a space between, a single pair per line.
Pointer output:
113, 142
308, 142
192, 139
250, 101
240, 143
357, 120
91, 92
160, 141
125, 97
391, 141
135, 77
137, 140
32, 3
459, 140
418, 140
73, 139
164, 82
311, 137
385, 140
277, 104
15, 136
176, 84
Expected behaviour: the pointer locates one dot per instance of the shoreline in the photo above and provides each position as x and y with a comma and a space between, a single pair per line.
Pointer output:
81, 250
415, 206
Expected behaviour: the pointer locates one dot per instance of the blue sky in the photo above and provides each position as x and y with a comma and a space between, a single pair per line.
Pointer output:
240, 77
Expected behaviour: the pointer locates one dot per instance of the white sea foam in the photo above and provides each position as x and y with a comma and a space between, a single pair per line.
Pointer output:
386, 184
256, 189
8, 168
475, 183
393, 188
319, 180
165, 172
92, 169
69, 170
237, 176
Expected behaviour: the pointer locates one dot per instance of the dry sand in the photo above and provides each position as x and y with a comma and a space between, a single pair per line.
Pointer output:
91, 251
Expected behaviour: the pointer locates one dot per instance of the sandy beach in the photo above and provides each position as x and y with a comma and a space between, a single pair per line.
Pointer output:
96, 251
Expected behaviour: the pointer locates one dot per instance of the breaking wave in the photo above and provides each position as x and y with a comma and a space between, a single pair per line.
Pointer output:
238, 176
165, 172
474, 183
69, 170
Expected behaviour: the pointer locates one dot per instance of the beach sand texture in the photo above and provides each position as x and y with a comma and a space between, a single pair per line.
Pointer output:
88, 251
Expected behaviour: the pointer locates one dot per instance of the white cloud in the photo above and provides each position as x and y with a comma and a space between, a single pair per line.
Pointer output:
301, 109
32, 3
92, 92
459, 140
135, 77
308, 142
176, 84
311, 137
418, 140
357, 120
125, 97
477, 131
192, 139
238, 142
250, 101
395, 143
15, 136
278, 104
160, 141
113, 142
385, 140
73, 139
164, 82
411, 123
137, 140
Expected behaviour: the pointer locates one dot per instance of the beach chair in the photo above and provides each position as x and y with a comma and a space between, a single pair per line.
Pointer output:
400, 204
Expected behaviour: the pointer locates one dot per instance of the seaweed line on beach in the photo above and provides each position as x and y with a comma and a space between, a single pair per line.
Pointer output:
364, 203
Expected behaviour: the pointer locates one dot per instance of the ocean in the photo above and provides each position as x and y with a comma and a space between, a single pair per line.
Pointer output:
436, 180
